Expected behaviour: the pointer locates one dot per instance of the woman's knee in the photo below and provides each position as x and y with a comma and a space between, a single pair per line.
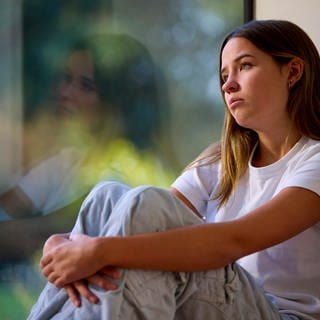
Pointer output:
98, 206
147, 209
156, 209
108, 191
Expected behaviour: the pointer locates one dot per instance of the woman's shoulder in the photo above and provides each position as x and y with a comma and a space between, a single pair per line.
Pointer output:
310, 149
202, 174
311, 143
206, 167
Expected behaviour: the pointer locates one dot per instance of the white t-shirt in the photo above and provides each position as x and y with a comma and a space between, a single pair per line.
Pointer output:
289, 271
53, 183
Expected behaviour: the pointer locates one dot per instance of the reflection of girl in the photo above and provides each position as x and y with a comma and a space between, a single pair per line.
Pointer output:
258, 189
107, 90
118, 78
106, 123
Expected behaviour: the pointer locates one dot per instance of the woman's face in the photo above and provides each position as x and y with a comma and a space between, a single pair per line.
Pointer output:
77, 90
255, 87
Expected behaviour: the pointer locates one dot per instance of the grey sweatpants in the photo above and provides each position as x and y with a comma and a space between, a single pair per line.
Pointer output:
114, 209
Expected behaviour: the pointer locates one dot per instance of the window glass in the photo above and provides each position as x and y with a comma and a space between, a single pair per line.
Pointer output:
97, 90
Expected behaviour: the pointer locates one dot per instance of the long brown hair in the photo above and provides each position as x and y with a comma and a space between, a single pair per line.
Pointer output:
126, 79
282, 40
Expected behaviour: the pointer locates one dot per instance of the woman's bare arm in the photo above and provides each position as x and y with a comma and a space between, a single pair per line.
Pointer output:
21, 238
16, 203
194, 248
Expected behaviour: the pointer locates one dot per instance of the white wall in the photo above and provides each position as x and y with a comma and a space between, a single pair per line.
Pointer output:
305, 13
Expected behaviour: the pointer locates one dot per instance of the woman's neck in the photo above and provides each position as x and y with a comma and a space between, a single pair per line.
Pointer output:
270, 150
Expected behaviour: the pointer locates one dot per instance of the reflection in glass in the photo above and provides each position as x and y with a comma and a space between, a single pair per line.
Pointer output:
101, 122
167, 110
106, 91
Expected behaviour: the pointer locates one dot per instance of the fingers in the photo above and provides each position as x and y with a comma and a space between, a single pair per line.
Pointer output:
78, 289
111, 272
45, 260
58, 280
46, 269
54, 279
83, 289
73, 295
101, 282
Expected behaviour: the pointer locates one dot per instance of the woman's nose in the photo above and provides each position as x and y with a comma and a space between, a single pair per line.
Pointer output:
67, 90
230, 86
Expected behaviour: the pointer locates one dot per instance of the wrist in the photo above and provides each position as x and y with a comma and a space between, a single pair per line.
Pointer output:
101, 251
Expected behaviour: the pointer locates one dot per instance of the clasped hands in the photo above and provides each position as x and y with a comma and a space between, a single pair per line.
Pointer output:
72, 262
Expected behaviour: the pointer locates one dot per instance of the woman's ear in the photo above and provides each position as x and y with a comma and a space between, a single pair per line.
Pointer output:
296, 68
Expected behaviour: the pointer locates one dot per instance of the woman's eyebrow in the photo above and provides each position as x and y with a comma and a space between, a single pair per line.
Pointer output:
241, 56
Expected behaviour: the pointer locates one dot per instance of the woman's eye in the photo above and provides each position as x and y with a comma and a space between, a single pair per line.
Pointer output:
245, 66
88, 86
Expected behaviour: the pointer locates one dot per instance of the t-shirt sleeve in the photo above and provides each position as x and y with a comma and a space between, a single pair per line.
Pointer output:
197, 185
306, 174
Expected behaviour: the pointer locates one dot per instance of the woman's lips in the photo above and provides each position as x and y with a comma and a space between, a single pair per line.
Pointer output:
233, 102
64, 111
